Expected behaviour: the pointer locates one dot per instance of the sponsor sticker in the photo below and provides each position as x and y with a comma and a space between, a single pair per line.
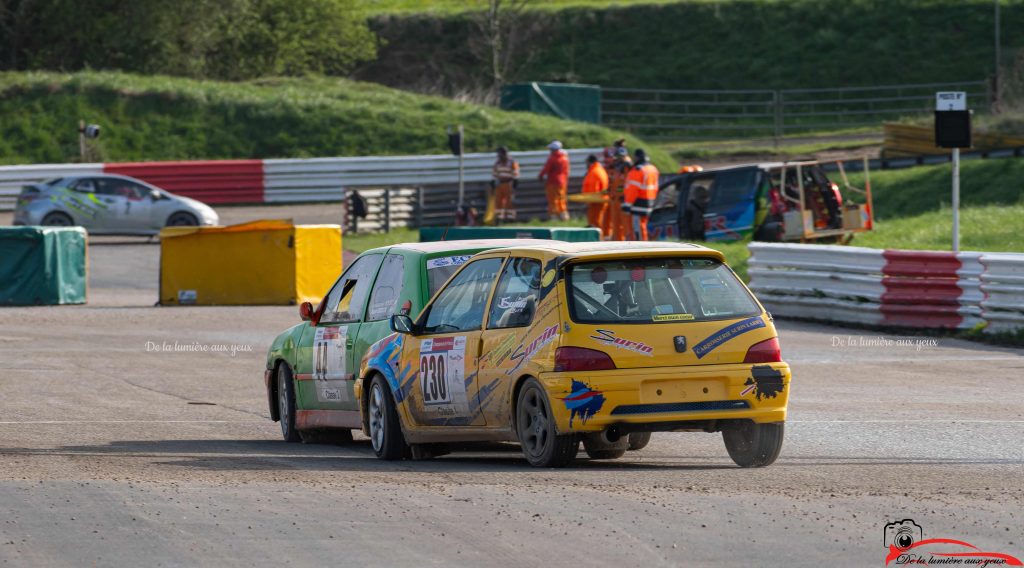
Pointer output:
608, 337
186, 297
447, 261
725, 334
672, 317
512, 304
545, 337
501, 352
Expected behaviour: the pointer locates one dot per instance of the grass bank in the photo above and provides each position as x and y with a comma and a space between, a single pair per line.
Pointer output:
171, 118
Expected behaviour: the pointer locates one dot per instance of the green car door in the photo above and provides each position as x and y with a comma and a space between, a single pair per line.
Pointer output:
326, 358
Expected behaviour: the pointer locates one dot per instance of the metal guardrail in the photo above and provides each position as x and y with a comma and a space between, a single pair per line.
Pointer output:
297, 180
893, 288
762, 113
1003, 285
321, 179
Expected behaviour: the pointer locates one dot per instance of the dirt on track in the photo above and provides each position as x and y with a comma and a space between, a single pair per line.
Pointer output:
116, 452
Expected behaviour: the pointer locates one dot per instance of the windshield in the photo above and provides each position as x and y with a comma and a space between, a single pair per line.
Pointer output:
657, 290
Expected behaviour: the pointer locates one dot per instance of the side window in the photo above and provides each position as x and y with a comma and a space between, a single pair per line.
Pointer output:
460, 305
87, 185
515, 298
134, 191
384, 298
347, 299
732, 187
120, 188
668, 196
104, 187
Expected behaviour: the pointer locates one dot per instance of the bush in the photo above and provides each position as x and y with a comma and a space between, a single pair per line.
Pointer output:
221, 39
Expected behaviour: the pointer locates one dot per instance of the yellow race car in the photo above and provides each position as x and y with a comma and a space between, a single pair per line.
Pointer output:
600, 343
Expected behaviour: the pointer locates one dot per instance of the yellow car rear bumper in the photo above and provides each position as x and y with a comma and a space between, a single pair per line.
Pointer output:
668, 397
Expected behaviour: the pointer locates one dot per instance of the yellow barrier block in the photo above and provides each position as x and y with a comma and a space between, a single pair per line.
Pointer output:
268, 262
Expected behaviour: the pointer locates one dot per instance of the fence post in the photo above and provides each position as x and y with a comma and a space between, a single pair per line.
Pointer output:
387, 209
777, 101
419, 206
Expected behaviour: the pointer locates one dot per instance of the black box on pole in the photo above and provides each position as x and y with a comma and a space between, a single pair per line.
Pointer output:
953, 128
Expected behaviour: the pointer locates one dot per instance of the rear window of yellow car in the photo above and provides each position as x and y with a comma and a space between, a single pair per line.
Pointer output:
656, 290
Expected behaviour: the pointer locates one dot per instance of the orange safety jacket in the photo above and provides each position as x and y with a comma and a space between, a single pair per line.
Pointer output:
556, 169
641, 190
596, 179
506, 171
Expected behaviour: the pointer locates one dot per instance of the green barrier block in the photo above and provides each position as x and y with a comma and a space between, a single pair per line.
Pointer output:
572, 235
43, 266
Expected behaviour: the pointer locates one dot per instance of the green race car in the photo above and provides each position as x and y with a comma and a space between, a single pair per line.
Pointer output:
311, 366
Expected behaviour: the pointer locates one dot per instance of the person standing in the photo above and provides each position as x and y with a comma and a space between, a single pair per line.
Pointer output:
617, 220
596, 181
555, 176
640, 193
506, 178
693, 216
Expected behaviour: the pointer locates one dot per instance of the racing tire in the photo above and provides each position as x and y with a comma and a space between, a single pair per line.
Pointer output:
598, 448
386, 436
639, 440
286, 404
753, 445
57, 219
535, 426
331, 436
182, 219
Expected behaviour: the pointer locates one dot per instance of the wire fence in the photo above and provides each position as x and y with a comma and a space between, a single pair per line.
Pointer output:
763, 113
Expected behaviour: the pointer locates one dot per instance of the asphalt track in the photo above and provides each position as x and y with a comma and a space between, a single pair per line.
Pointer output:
115, 454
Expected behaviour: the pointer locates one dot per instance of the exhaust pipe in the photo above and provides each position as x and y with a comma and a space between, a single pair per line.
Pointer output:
612, 434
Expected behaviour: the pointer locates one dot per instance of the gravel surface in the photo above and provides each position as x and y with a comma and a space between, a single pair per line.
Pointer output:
114, 453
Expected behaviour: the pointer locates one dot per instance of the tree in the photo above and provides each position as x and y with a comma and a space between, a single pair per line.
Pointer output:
217, 39
504, 41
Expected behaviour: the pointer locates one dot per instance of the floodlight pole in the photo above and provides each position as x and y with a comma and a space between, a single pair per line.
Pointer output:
956, 199
461, 152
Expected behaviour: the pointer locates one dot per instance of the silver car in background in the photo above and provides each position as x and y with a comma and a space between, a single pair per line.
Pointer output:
108, 204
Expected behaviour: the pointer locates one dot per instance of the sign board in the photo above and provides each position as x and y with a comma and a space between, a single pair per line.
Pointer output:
950, 100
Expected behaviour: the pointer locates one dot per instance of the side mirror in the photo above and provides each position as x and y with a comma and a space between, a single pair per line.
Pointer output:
155, 196
306, 311
402, 324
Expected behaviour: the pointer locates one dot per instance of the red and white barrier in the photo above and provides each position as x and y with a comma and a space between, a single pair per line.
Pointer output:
898, 288
287, 180
219, 181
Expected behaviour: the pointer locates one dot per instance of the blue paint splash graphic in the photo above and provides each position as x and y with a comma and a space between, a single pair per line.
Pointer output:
583, 403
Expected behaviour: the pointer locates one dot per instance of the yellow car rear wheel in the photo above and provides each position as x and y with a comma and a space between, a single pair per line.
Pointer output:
535, 426
753, 445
